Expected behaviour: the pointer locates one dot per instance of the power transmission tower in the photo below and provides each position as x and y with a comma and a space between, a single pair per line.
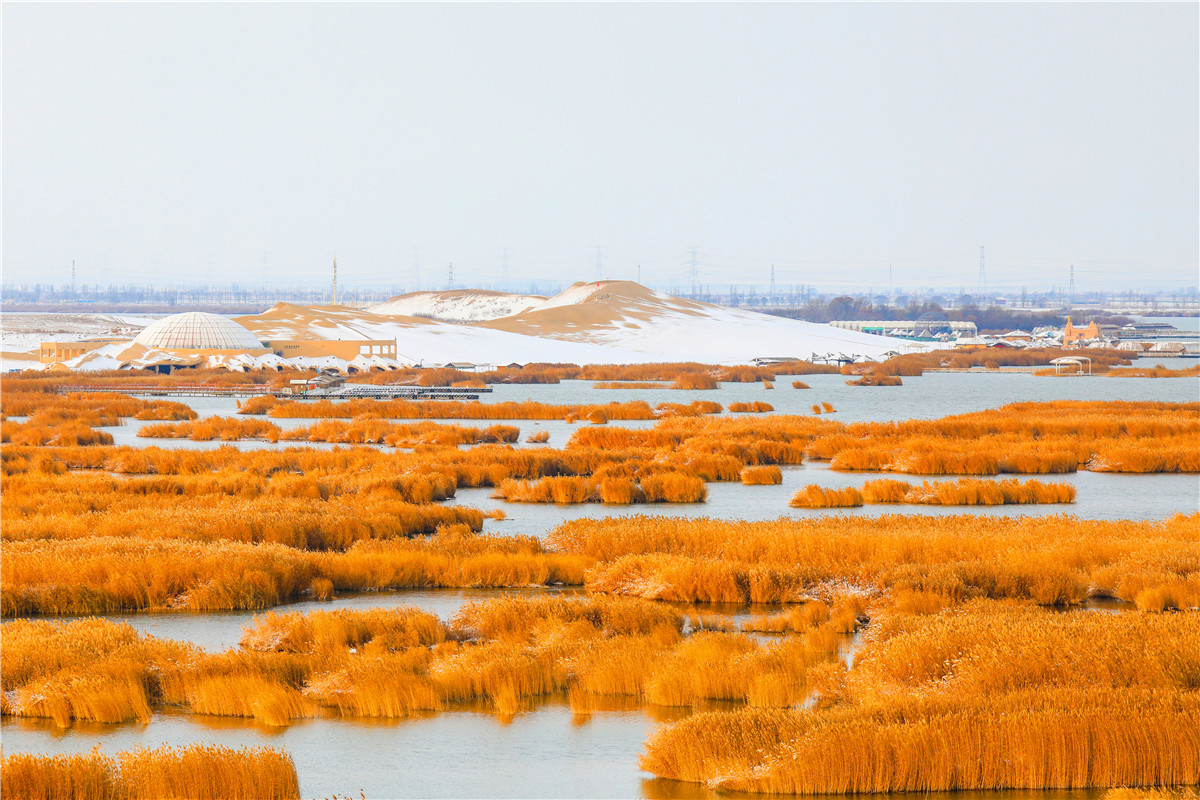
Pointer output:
1071, 290
504, 266
450, 282
416, 269
335, 280
599, 262
982, 273
694, 272
772, 281
73, 294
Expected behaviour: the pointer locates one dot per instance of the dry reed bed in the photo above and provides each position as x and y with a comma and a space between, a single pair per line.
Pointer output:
916, 363
442, 409
1050, 560
652, 487
629, 385
1157, 371
395, 662
98, 575
195, 772
370, 430
985, 696
961, 492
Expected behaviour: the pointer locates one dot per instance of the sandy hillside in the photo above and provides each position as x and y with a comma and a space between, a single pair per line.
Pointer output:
425, 341
629, 316
459, 305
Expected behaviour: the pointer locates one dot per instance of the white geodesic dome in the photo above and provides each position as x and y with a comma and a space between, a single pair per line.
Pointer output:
196, 330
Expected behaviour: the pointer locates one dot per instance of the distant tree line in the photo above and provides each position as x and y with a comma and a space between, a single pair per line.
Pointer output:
993, 319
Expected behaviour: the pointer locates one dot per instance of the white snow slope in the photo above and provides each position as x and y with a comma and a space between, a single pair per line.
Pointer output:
625, 315
425, 341
459, 305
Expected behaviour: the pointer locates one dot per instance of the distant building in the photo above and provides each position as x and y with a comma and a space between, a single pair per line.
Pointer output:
55, 352
922, 329
345, 349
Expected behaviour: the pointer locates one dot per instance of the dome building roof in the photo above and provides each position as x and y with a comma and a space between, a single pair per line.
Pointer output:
196, 330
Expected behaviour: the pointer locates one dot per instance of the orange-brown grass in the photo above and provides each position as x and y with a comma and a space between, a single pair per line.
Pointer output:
1051, 560
1051, 738
521, 619
628, 385
320, 631
721, 666
673, 487
453, 409
754, 407
695, 408
876, 379
94, 408
916, 363
538, 437
1157, 371
108, 574
369, 430
196, 772
814, 496
1147, 793
564, 489
799, 385
695, 380
989, 696
816, 408
291, 510
827, 407
661, 487
967, 492
88, 670
762, 476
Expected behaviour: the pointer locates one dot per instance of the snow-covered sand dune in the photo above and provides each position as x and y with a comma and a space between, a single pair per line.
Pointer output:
605, 322
659, 327
425, 341
458, 305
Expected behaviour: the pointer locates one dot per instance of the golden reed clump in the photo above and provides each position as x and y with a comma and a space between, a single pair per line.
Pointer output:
1050, 739
762, 476
814, 496
1051, 560
197, 772
986, 696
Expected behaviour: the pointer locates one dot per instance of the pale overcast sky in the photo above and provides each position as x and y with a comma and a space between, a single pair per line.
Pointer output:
237, 142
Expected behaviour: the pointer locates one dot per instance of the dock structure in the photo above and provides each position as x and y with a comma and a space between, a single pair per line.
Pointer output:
343, 392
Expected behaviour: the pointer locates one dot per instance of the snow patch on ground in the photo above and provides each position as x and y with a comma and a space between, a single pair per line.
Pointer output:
465, 305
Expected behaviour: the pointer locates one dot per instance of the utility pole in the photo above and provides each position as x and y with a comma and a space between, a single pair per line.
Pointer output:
335, 280
599, 263
694, 272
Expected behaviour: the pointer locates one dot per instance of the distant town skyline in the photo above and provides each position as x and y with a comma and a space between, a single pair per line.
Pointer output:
855, 145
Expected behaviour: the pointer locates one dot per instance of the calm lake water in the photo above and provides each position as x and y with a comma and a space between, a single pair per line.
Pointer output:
549, 751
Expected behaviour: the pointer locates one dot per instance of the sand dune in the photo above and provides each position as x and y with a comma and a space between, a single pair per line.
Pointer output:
629, 316
425, 341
